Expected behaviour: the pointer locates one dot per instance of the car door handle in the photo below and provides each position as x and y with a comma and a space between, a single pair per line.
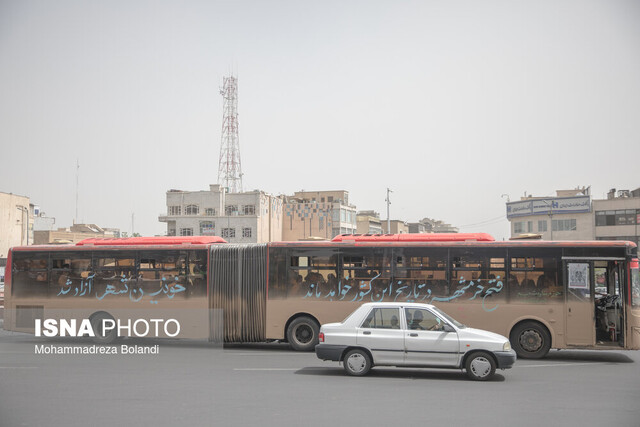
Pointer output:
413, 335
366, 333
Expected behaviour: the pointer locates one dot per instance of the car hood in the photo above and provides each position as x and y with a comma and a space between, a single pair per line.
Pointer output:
473, 333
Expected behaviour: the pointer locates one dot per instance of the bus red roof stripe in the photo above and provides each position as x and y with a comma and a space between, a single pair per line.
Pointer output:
416, 237
151, 241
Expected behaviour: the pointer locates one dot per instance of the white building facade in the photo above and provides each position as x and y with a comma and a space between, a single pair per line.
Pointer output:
573, 215
16, 222
248, 217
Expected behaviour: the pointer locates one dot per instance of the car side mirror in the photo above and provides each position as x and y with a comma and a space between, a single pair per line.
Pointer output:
448, 328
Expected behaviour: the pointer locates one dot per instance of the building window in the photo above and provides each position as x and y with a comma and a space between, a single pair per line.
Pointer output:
191, 210
206, 227
321, 223
174, 210
230, 210
518, 227
619, 217
171, 232
542, 226
248, 210
186, 231
529, 226
228, 232
563, 225
246, 232
210, 212
330, 199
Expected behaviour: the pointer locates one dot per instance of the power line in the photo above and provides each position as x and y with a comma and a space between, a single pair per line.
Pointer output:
486, 222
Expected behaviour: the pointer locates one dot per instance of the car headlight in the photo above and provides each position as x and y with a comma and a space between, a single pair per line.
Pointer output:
506, 346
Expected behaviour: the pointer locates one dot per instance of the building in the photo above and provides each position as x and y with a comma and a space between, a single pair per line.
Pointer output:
573, 215
16, 222
247, 217
428, 225
567, 216
396, 227
318, 215
368, 222
618, 216
73, 234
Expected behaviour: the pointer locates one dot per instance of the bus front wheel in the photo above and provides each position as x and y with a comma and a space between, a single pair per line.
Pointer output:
530, 340
302, 333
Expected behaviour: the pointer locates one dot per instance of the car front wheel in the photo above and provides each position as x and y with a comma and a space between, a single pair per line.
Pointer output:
357, 362
480, 366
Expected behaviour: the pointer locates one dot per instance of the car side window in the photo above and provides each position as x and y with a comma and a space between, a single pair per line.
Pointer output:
423, 320
383, 318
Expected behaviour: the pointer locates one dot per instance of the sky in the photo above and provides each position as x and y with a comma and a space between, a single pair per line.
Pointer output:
456, 106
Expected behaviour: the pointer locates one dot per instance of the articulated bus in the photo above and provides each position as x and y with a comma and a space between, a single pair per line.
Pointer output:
540, 294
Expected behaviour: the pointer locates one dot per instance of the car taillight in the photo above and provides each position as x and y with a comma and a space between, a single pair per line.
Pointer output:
321, 337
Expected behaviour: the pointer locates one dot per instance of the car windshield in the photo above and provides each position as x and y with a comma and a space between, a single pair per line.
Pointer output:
449, 318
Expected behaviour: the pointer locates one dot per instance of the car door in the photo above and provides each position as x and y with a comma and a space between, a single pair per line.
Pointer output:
381, 333
427, 344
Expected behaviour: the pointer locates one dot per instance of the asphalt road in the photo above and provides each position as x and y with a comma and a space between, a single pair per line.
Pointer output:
194, 383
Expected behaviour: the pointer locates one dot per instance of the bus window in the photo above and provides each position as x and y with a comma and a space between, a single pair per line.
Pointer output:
279, 274
71, 274
30, 276
313, 273
115, 275
635, 286
423, 272
163, 274
197, 274
534, 279
366, 276
477, 274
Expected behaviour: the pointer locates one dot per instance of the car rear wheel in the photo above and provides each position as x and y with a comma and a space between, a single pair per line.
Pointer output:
357, 363
480, 366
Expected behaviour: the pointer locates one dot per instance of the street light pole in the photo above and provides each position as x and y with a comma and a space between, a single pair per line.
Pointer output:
24, 210
388, 200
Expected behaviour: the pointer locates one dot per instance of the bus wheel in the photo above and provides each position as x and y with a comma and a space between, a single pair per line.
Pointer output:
99, 335
302, 334
530, 340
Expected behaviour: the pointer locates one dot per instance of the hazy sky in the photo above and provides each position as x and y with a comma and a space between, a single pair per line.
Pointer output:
449, 103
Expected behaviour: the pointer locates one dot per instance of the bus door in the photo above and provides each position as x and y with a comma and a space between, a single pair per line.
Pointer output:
610, 277
579, 308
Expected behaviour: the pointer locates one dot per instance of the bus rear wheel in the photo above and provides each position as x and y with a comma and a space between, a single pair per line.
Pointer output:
530, 340
302, 334
100, 335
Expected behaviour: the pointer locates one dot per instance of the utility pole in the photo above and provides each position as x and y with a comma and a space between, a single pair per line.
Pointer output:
388, 200
75, 221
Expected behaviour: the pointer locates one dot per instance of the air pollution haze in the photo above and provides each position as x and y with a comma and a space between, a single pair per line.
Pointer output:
455, 106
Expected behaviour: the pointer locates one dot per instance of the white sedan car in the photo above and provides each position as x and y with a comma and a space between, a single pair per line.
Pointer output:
412, 335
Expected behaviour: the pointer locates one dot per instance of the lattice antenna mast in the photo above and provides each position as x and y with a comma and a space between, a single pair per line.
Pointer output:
229, 167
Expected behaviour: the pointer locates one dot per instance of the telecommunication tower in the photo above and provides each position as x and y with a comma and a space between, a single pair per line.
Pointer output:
229, 167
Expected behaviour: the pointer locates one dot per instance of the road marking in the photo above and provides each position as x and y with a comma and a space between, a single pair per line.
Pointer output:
18, 367
266, 369
265, 354
559, 364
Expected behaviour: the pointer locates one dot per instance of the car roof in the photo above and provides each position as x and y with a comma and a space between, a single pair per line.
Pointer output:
397, 304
